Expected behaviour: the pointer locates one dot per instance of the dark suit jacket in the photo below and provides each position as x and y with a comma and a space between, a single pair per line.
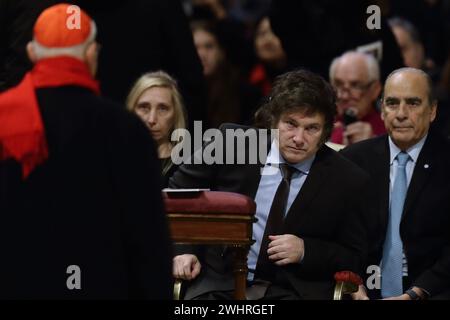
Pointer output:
94, 203
325, 215
425, 223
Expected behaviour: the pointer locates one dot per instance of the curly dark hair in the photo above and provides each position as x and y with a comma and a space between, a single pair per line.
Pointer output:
304, 91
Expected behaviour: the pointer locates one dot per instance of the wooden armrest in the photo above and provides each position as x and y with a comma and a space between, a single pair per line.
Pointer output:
346, 282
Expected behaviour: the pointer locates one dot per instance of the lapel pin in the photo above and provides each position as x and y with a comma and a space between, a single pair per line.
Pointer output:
426, 166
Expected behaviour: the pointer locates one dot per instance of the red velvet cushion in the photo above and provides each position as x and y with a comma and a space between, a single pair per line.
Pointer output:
348, 276
208, 202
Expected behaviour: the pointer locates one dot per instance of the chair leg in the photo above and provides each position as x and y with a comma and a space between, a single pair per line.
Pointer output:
338, 291
240, 271
177, 289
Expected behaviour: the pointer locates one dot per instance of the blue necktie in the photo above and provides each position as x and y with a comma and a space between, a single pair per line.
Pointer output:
392, 263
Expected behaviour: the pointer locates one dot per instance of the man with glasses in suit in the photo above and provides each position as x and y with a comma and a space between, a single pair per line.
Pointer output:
356, 78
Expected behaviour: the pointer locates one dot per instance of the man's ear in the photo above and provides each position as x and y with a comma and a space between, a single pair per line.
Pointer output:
31, 52
91, 56
382, 110
433, 111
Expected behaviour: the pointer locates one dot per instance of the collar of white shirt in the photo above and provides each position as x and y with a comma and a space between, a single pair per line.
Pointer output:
274, 158
413, 151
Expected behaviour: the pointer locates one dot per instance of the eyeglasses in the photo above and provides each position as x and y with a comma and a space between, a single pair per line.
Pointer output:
354, 89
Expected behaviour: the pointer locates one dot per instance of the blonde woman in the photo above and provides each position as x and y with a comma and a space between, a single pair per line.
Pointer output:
156, 99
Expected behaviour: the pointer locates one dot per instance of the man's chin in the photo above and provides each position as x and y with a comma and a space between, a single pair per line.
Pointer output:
402, 134
344, 107
294, 156
402, 139
403, 129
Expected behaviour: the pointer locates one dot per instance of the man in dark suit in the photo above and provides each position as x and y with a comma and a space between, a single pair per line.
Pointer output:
80, 209
320, 227
409, 224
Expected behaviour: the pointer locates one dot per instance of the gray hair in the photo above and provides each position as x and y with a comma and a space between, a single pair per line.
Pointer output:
373, 69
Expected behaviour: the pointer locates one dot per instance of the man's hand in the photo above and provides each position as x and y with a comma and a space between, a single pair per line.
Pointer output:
405, 296
357, 131
361, 294
285, 249
186, 267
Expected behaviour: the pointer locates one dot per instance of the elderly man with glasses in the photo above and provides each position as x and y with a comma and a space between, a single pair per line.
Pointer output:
356, 78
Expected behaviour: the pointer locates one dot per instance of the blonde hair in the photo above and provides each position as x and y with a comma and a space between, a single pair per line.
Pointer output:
163, 80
